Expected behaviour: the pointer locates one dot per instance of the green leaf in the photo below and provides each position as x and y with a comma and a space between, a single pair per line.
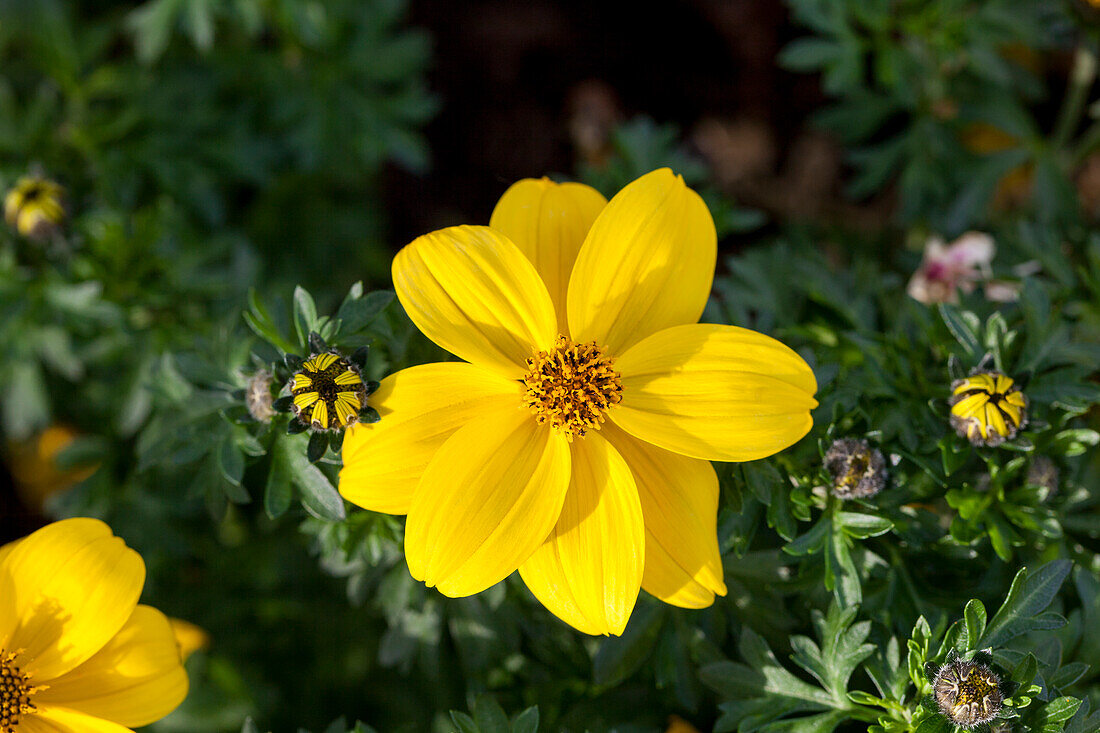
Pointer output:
278, 490
841, 575
358, 313
1028, 596
812, 541
809, 54
621, 656
936, 724
305, 315
319, 496
464, 722
863, 526
963, 326
1057, 710
527, 721
489, 716
975, 622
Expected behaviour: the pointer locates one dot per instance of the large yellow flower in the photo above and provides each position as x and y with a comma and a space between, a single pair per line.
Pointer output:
77, 652
575, 443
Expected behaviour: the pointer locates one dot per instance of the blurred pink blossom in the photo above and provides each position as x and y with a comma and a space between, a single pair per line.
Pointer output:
948, 268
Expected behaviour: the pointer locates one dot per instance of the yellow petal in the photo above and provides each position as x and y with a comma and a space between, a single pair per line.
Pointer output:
647, 264
419, 408
190, 637
1010, 409
718, 393
137, 678
68, 588
548, 222
589, 570
62, 720
679, 498
971, 404
470, 290
489, 497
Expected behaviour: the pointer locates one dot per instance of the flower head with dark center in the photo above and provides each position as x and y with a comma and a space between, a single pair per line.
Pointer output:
987, 408
35, 207
328, 392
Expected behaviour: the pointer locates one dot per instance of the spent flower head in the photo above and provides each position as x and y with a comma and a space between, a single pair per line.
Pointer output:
987, 408
967, 693
257, 396
858, 470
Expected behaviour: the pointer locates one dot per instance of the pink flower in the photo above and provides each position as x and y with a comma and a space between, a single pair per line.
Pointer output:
946, 269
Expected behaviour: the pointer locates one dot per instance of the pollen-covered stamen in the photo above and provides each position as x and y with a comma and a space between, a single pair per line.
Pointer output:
15, 692
571, 386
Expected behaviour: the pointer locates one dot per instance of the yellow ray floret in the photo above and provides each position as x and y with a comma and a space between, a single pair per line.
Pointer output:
301, 381
320, 362
348, 377
305, 399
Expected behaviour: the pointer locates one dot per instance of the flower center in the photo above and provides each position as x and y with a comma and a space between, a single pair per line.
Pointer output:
15, 693
571, 386
328, 392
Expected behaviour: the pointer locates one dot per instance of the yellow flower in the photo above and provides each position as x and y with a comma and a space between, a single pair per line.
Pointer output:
575, 443
34, 207
77, 652
328, 392
189, 637
987, 408
35, 470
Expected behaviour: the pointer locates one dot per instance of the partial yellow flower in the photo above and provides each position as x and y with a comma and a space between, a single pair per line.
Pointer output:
575, 444
34, 466
189, 637
35, 207
77, 652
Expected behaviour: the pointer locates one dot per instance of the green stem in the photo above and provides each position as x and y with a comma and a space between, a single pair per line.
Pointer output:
1081, 78
1088, 144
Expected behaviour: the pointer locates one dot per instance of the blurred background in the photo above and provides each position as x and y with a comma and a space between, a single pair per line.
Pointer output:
209, 149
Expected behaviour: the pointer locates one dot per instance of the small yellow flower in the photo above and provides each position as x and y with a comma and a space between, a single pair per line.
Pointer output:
574, 444
35, 207
328, 392
676, 724
77, 652
35, 470
987, 408
189, 637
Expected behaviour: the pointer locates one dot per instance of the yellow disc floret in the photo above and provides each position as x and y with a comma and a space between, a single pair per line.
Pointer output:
328, 392
571, 386
15, 693
987, 408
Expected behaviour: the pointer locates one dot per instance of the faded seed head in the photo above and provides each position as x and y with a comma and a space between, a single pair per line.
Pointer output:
858, 470
967, 693
258, 398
